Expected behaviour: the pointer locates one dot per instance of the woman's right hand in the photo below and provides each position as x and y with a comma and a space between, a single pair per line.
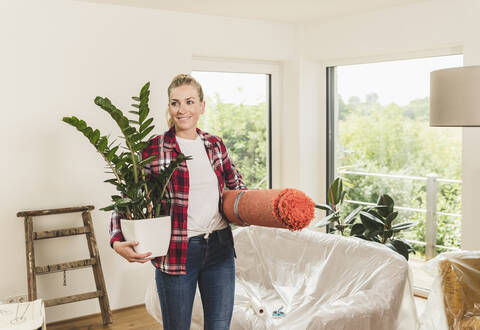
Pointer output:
125, 249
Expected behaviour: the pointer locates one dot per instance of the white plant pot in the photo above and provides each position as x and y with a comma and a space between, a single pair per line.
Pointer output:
153, 235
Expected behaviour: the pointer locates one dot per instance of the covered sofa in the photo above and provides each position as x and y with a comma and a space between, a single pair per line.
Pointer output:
311, 280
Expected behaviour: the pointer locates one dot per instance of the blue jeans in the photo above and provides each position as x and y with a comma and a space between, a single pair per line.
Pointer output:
211, 264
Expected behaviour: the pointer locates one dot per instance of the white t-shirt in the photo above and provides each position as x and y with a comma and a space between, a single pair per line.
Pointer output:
203, 215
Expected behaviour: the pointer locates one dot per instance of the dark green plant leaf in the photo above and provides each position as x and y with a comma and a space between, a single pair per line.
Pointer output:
335, 192
351, 217
400, 247
81, 125
143, 113
145, 125
370, 218
130, 130
147, 160
123, 202
111, 153
108, 208
95, 136
357, 229
102, 144
144, 89
87, 131
388, 203
392, 216
403, 226
323, 207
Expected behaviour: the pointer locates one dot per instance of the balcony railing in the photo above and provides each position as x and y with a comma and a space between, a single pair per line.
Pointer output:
431, 212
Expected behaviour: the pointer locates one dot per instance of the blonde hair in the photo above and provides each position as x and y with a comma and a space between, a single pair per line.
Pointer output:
181, 80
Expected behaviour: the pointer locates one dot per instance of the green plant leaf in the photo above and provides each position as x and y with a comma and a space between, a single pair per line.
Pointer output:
146, 132
102, 144
369, 218
401, 247
323, 207
111, 153
123, 122
403, 226
95, 136
389, 219
145, 125
123, 202
332, 217
351, 217
108, 208
322, 223
147, 160
130, 130
82, 125
357, 229
144, 89
135, 105
87, 131
388, 203
335, 192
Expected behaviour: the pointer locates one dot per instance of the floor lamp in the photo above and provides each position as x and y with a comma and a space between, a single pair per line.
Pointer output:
455, 101
455, 97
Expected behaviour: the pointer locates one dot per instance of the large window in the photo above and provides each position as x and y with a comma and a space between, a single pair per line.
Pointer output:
382, 143
238, 110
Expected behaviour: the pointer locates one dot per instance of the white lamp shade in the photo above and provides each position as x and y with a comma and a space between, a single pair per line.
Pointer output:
455, 97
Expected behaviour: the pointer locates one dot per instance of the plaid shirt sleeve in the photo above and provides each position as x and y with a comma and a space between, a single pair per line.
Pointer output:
233, 179
115, 230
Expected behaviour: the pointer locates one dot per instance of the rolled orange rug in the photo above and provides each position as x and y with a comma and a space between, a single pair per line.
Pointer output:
277, 208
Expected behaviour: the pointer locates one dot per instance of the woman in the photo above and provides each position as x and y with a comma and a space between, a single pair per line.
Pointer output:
201, 246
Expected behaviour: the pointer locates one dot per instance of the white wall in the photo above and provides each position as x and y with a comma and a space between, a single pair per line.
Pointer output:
57, 55
431, 28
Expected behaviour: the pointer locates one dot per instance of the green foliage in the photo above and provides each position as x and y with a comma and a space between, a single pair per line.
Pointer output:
141, 194
243, 129
397, 140
376, 222
335, 220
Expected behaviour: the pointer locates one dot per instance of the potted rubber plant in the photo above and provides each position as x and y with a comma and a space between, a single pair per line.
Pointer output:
335, 221
376, 222
140, 195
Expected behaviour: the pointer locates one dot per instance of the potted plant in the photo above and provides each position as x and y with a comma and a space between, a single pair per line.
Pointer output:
140, 194
334, 220
376, 222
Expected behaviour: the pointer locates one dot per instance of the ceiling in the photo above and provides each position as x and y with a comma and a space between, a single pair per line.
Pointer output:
290, 11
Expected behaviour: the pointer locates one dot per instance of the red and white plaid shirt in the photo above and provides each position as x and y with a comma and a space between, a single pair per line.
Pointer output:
166, 148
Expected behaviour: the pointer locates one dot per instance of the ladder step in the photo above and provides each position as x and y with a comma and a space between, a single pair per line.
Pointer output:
74, 298
61, 232
37, 213
65, 266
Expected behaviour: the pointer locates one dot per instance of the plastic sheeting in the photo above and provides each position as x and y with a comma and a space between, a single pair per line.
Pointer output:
454, 299
312, 280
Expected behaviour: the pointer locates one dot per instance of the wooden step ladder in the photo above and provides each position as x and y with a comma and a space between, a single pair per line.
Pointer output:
93, 261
